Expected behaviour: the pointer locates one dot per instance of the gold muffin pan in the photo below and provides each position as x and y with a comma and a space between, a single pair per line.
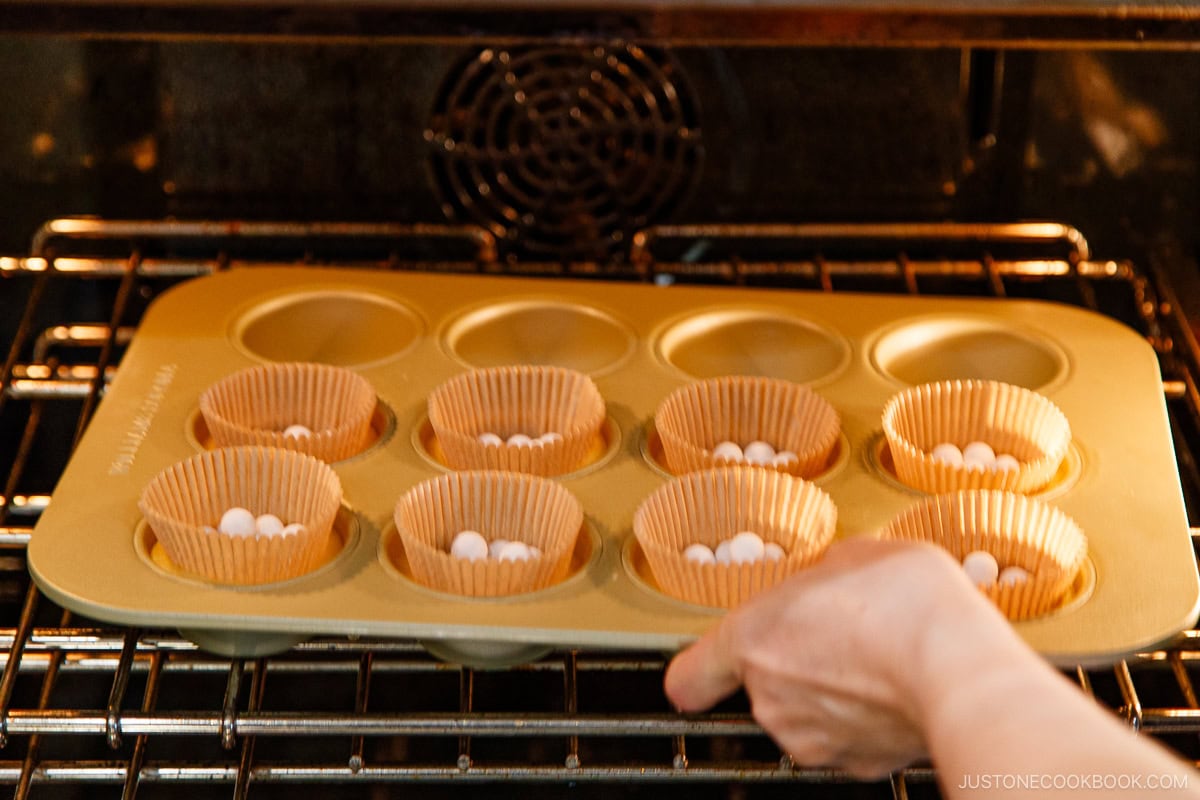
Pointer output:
407, 333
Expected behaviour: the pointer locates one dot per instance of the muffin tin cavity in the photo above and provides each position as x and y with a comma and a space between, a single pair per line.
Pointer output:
346, 329
343, 538
740, 508
637, 567
948, 347
382, 427
603, 448
1005, 529
878, 457
539, 332
395, 562
1078, 592
652, 453
752, 342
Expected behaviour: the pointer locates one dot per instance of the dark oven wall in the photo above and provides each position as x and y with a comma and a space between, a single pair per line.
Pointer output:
562, 150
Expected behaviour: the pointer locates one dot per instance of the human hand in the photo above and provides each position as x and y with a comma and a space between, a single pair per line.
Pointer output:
839, 660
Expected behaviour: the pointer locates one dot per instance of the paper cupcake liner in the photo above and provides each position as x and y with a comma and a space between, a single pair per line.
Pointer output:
692, 420
1017, 530
499, 505
710, 506
185, 498
1010, 418
519, 399
255, 405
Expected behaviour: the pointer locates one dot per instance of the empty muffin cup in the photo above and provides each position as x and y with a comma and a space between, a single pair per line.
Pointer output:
556, 413
713, 506
1009, 419
1016, 531
184, 505
263, 405
694, 419
508, 506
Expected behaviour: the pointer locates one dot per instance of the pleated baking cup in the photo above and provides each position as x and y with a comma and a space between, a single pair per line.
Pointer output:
1017, 530
255, 405
1010, 418
498, 505
184, 503
693, 419
530, 400
711, 506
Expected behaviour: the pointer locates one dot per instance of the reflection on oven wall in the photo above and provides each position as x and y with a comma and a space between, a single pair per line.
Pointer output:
1104, 141
1112, 143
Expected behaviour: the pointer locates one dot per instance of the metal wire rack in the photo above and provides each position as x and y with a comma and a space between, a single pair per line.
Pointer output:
89, 709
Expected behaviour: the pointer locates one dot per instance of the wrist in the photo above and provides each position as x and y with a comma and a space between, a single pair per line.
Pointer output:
963, 654
974, 665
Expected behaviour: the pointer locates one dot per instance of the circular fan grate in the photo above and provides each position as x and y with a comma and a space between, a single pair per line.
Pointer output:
563, 151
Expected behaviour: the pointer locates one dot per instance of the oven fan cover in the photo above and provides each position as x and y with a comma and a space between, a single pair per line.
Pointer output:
563, 151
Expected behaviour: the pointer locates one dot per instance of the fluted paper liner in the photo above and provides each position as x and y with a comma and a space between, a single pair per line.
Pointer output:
499, 505
693, 419
1017, 530
532, 400
710, 506
184, 498
1010, 418
254, 406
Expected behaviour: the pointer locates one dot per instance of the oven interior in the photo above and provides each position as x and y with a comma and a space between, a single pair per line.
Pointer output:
135, 162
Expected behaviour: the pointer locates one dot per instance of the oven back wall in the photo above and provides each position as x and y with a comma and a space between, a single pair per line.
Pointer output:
563, 150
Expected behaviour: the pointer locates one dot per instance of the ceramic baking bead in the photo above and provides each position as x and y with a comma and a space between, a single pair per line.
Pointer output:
535, 552
721, 554
495, 546
237, 522
949, 453
550, 438
490, 439
728, 451
773, 552
519, 440
981, 567
1010, 576
268, 525
1006, 462
786, 459
294, 529
978, 454
758, 453
296, 432
469, 545
700, 553
514, 551
746, 547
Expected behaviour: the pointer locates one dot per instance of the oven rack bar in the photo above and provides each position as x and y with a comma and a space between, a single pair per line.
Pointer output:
83, 722
115, 773
78, 229
820, 273
23, 722
815, 270
981, 233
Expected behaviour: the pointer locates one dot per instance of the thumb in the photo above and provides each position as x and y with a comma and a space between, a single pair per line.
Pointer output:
703, 674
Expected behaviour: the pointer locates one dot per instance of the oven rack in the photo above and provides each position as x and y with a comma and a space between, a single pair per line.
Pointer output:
87, 707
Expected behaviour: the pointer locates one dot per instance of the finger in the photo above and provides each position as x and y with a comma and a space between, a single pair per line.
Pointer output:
703, 674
